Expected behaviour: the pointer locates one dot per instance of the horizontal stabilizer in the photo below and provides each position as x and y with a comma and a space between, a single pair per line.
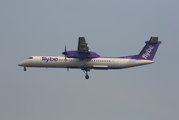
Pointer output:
153, 40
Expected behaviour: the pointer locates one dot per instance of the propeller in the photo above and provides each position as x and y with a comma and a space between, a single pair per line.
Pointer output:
65, 53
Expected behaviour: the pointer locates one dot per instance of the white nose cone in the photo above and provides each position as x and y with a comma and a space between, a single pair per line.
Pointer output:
21, 63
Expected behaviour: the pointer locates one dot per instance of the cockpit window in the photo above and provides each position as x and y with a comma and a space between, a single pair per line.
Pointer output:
30, 58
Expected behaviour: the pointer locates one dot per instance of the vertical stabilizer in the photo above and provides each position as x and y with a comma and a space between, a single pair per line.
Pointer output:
149, 50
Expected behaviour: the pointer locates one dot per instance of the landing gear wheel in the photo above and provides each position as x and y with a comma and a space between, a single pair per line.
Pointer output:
85, 70
87, 76
25, 69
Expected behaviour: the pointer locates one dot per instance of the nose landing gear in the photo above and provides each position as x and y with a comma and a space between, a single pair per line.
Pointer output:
25, 69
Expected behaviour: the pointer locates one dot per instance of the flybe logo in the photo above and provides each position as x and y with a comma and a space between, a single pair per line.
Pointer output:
49, 59
148, 51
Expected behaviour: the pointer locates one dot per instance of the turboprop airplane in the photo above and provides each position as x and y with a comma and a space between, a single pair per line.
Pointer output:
84, 59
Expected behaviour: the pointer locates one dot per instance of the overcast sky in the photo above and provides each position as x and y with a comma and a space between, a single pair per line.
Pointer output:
111, 28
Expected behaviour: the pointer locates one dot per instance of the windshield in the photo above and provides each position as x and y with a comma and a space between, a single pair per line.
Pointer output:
30, 58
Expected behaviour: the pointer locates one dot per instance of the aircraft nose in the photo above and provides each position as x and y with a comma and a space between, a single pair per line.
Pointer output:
21, 63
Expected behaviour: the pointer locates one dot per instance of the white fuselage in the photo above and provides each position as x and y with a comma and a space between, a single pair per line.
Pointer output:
94, 63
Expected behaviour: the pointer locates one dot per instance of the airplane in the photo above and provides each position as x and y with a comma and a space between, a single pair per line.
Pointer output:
84, 59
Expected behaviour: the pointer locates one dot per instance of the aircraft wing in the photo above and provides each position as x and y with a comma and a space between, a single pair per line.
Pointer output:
82, 45
82, 51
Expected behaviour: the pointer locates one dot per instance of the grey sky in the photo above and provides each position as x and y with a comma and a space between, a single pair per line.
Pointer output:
111, 28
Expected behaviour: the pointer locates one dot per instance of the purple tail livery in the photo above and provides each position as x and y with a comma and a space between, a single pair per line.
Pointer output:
149, 50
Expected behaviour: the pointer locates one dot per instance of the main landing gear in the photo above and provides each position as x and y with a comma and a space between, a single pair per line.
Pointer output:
87, 76
85, 70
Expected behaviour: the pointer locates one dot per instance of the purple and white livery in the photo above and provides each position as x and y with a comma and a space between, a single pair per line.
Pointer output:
84, 59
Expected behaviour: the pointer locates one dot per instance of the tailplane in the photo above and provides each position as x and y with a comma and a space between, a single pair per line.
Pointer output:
149, 50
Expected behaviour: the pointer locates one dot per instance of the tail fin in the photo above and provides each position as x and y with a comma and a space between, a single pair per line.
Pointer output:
149, 50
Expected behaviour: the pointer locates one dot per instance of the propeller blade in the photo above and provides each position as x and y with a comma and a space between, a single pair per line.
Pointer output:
65, 49
65, 53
